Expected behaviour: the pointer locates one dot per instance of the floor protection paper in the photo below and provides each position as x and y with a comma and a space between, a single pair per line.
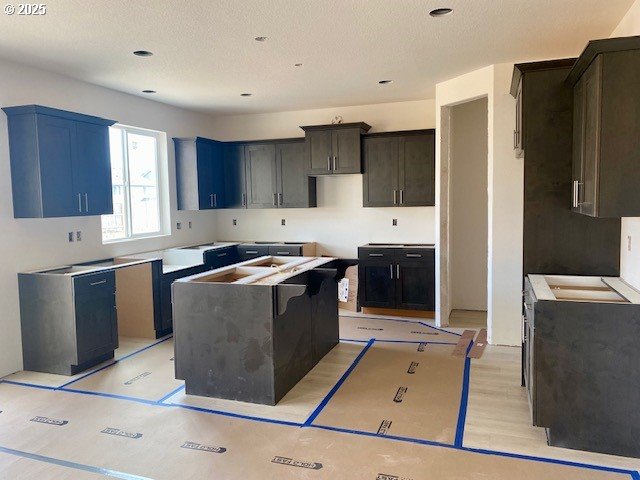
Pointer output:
364, 328
401, 389
163, 442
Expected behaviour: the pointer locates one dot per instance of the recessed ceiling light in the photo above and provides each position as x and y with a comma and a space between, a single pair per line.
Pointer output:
297, 65
142, 53
261, 39
385, 82
440, 12
148, 91
246, 94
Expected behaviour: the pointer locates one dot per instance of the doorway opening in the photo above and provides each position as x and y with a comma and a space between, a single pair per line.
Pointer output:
466, 215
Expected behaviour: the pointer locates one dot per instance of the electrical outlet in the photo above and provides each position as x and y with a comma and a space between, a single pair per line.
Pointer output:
178, 226
71, 236
79, 236
394, 222
628, 243
189, 224
283, 222
235, 222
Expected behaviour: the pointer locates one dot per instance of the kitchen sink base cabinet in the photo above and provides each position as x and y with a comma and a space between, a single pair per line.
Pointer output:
259, 340
69, 323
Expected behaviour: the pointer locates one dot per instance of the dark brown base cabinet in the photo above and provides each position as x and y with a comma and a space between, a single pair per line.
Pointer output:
556, 240
69, 322
399, 169
606, 122
580, 368
402, 278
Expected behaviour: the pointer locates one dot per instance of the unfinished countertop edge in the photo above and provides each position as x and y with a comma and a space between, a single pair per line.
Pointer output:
543, 291
88, 269
429, 246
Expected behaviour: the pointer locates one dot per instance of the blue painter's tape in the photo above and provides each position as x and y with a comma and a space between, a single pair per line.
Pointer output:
480, 451
233, 415
116, 361
335, 388
415, 342
353, 340
417, 322
109, 395
32, 385
439, 329
635, 475
75, 466
171, 394
464, 399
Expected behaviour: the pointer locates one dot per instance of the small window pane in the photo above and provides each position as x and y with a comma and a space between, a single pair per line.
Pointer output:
143, 184
114, 226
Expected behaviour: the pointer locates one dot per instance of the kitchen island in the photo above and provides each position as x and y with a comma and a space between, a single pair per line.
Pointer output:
252, 330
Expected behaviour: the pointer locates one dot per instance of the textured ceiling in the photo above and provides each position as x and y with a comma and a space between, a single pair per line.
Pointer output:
206, 55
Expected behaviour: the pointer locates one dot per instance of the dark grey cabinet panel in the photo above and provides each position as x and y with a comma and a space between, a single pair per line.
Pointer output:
166, 304
95, 314
399, 169
60, 163
397, 278
221, 257
249, 252
417, 169
295, 188
261, 176
235, 177
606, 150
335, 149
285, 250
381, 171
199, 174
556, 240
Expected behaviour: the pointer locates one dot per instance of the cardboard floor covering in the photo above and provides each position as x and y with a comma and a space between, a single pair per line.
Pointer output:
401, 389
364, 328
163, 442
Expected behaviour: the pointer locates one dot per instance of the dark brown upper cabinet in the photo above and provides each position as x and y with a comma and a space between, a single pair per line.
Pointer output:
399, 169
276, 175
199, 174
606, 129
335, 149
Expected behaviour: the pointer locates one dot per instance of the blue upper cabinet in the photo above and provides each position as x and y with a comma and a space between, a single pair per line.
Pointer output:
199, 174
60, 165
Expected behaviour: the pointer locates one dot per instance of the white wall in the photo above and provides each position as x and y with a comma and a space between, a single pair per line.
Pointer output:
505, 204
339, 224
34, 243
630, 259
468, 206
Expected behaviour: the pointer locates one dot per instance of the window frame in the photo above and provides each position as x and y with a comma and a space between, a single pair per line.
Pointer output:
161, 191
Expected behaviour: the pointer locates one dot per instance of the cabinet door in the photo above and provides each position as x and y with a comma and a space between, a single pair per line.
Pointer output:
592, 93
380, 179
377, 287
518, 134
417, 170
293, 181
261, 176
96, 316
415, 280
319, 143
92, 169
221, 257
578, 146
57, 149
285, 250
217, 176
249, 252
346, 149
205, 167
235, 187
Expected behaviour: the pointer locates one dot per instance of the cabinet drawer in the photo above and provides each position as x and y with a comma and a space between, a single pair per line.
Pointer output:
375, 254
85, 284
417, 255
285, 250
247, 252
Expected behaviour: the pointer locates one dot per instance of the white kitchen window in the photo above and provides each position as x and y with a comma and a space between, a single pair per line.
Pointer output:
136, 175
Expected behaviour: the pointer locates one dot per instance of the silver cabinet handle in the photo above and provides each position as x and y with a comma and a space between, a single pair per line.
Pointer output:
283, 253
574, 203
275, 200
280, 198
244, 199
222, 254
98, 283
86, 202
251, 252
398, 271
413, 255
515, 139
391, 271
329, 163
215, 200
395, 197
335, 163
401, 196
80, 202
211, 200
376, 255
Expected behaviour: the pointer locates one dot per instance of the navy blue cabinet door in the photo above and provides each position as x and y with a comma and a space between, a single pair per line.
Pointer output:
57, 148
92, 169
204, 153
235, 183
